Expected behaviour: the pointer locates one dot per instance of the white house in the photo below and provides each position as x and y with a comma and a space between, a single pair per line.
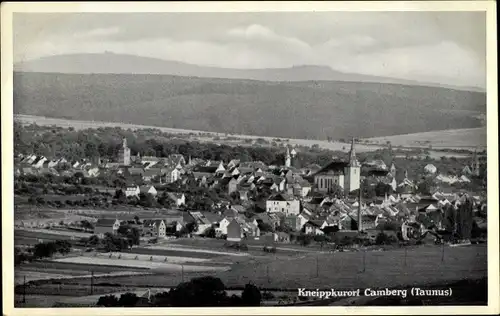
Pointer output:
39, 162
314, 227
172, 175
178, 198
283, 203
132, 191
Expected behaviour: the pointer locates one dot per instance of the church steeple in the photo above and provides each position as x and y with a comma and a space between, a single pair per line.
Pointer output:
352, 156
288, 158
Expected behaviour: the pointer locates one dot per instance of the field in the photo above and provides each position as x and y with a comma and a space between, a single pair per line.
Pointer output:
339, 270
466, 138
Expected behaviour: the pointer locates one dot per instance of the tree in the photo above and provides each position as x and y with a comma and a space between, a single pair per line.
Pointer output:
44, 250
199, 292
128, 300
93, 240
210, 233
86, 225
464, 219
146, 200
191, 227
133, 237
251, 296
107, 301
265, 227
63, 246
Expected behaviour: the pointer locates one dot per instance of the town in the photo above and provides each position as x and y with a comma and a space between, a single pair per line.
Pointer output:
141, 215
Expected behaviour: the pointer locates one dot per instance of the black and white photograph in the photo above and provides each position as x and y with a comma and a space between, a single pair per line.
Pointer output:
239, 158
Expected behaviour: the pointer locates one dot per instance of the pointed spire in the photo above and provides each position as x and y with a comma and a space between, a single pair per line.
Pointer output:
406, 174
352, 155
124, 144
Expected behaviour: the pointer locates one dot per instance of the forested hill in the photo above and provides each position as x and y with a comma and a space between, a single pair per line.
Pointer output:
313, 109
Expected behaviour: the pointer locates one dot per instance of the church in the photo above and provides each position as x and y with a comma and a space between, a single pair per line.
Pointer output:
339, 173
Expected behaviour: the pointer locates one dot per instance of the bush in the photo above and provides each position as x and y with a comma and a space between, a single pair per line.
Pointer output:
107, 301
383, 239
128, 300
251, 295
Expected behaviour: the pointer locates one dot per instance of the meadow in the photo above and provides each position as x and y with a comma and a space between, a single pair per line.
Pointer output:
342, 270
467, 138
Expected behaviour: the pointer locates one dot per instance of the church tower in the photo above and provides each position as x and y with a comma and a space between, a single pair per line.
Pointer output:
352, 172
288, 158
124, 154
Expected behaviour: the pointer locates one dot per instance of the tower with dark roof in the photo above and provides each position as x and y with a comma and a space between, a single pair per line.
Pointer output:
124, 154
288, 158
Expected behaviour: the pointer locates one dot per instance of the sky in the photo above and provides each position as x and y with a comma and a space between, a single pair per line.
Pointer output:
442, 47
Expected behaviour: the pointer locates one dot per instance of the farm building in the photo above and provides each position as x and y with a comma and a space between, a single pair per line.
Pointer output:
154, 228
283, 203
239, 229
106, 225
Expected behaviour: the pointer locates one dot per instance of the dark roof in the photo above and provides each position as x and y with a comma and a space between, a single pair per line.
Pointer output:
105, 222
375, 173
316, 223
281, 197
333, 167
204, 169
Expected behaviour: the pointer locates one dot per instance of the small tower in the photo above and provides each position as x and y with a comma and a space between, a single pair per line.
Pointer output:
406, 174
124, 154
352, 177
288, 158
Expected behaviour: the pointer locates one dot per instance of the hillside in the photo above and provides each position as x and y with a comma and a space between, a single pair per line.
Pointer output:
314, 110
110, 63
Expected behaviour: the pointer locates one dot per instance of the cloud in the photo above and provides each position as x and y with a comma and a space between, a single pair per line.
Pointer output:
100, 32
439, 47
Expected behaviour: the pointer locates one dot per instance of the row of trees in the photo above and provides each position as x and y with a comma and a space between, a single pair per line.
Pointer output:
127, 238
106, 142
198, 292
41, 250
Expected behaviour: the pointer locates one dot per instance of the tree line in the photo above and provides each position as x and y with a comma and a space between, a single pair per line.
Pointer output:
198, 292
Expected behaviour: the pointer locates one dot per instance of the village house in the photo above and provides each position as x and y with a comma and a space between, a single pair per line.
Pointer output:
38, 162
239, 229
151, 174
148, 189
106, 225
154, 228
132, 191
283, 203
178, 198
314, 227
281, 237
202, 221
297, 222
172, 175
